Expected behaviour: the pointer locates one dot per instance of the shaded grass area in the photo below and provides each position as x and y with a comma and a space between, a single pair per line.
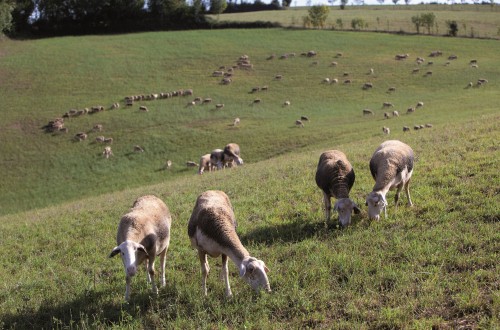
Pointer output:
433, 265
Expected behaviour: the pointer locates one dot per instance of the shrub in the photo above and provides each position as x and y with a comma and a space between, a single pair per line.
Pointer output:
452, 28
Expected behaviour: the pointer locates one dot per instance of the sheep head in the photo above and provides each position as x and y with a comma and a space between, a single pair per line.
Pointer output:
376, 203
345, 207
129, 251
254, 271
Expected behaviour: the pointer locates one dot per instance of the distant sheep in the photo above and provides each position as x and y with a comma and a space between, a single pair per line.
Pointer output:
107, 152
144, 233
168, 164
143, 108
190, 163
97, 128
391, 167
406, 129
205, 164
231, 153
420, 104
236, 121
387, 105
219, 106
299, 123
386, 130
138, 149
386, 115
304, 118
367, 112
395, 113
410, 110
335, 177
367, 85
80, 136
212, 231
286, 103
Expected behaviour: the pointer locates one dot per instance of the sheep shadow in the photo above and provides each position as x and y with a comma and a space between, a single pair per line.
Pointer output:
292, 232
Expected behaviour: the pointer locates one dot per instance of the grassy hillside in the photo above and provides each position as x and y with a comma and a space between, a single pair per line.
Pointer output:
431, 266
473, 21
43, 79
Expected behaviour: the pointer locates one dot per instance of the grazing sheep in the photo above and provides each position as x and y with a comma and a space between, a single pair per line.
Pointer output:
80, 136
286, 103
391, 167
299, 123
256, 101
304, 118
387, 105
168, 164
231, 154
100, 139
108, 140
420, 104
97, 128
326, 80
428, 125
428, 73
205, 164
347, 81
417, 70
391, 89
335, 81
190, 163
367, 112
143, 233
371, 71
278, 77
335, 177
401, 56
416, 127
406, 129
333, 63
217, 73
138, 149
212, 231
191, 104
386, 115
219, 106
143, 108
255, 90
410, 110
436, 53
386, 130
236, 121
207, 100
395, 113
367, 85
107, 152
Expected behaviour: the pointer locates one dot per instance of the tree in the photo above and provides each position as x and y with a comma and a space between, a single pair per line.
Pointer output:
417, 20
395, 2
218, 6
286, 3
452, 28
343, 3
5, 16
318, 15
428, 20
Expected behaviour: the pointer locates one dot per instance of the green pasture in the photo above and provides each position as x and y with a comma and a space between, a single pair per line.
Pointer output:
479, 21
434, 265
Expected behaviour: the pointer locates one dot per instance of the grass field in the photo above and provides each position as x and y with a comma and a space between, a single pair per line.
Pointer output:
431, 266
473, 20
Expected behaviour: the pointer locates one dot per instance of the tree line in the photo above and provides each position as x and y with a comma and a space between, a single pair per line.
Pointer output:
70, 17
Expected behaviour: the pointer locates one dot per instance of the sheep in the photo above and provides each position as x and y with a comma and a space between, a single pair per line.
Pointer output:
100, 139
386, 115
333, 63
367, 112
217, 73
406, 129
219, 106
108, 140
395, 113
391, 89
231, 153
387, 105
168, 165
115, 106
391, 167
371, 71
335, 81
286, 103
143, 233
143, 108
304, 118
299, 123
212, 231
190, 163
278, 77
236, 121
410, 110
138, 148
386, 130
80, 136
326, 80
97, 128
107, 152
190, 104
216, 157
335, 177
420, 104
417, 70
205, 164
207, 100
428, 125
367, 85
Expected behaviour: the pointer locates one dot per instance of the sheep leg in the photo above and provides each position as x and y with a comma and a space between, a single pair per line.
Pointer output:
163, 257
205, 269
225, 276
128, 279
151, 274
407, 191
146, 267
398, 191
328, 206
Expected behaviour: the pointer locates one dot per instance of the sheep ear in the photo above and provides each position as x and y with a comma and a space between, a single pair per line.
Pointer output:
114, 252
243, 270
143, 249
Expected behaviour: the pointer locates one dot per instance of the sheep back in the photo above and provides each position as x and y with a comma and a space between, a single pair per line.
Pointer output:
213, 215
148, 223
390, 159
335, 175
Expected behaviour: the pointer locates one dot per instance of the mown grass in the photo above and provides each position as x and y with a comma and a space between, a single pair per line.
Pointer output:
433, 265
479, 21
41, 169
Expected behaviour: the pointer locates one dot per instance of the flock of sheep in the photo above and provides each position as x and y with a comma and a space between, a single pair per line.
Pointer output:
144, 232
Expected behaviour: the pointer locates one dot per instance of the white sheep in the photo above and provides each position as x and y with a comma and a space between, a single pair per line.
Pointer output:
205, 164
231, 153
335, 177
236, 121
143, 108
286, 103
212, 231
395, 113
386, 130
420, 104
299, 123
392, 167
107, 152
143, 233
